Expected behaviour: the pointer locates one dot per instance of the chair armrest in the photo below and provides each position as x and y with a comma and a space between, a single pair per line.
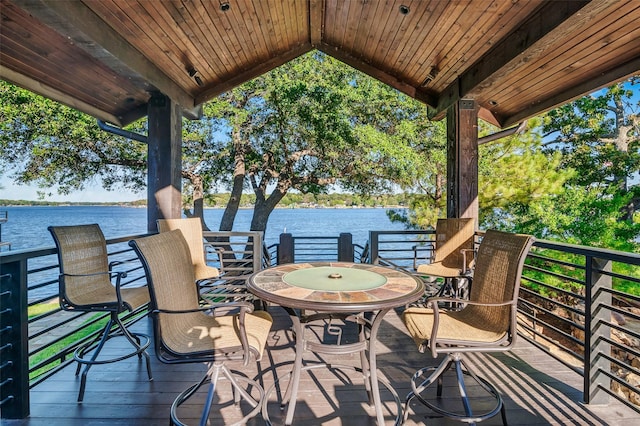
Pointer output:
219, 251
122, 262
433, 304
110, 273
426, 247
466, 266
118, 274
219, 308
433, 301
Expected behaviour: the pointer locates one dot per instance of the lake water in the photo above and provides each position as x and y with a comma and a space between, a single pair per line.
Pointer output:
27, 226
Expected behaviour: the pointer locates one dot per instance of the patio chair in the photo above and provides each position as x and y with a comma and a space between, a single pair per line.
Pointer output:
192, 231
85, 286
487, 323
186, 332
453, 256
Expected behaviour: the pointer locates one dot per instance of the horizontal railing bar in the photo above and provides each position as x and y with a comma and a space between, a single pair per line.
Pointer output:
627, 313
566, 321
552, 288
616, 275
621, 294
537, 256
43, 269
555, 274
96, 318
554, 328
599, 253
551, 301
43, 316
43, 299
620, 346
620, 364
564, 349
44, 284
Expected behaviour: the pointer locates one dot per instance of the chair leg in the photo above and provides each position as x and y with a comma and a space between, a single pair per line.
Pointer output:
134, 339
79, 357
106, 334
463, 389
213, 375
436, 376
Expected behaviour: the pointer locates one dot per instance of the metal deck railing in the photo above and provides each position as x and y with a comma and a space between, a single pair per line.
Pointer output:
576, 303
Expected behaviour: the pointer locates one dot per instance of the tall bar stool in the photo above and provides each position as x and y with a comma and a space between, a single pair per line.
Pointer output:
85, 286
487, 323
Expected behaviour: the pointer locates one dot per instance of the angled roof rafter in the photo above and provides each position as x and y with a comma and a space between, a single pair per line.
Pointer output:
515, 59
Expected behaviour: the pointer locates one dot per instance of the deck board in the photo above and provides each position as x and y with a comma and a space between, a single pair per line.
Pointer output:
538, 390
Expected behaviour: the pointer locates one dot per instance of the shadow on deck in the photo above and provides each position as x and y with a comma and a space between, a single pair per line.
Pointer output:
538, 390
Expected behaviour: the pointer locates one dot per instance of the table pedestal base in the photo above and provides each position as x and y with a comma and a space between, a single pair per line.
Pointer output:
265, 412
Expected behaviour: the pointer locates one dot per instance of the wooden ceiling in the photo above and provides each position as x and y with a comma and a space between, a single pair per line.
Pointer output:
515, 58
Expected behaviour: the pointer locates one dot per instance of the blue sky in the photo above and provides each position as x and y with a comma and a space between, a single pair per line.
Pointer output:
9, 191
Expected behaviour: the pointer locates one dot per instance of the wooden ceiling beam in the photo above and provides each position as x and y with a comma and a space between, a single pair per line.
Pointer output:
75, 20
609, 78
552, 20
255, 71
378, 74
316, 18
52, 93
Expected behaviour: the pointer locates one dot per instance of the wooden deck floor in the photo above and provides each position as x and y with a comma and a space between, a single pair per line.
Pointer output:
537, 389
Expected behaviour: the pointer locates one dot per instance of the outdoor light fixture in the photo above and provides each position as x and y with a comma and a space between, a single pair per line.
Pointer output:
193, 73
404, 9
433, 72
224, 6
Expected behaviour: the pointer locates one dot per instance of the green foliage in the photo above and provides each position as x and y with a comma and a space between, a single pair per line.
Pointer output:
598, 137
310, 126
46, 143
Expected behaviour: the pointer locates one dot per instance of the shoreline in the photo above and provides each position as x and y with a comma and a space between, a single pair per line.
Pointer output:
125, 205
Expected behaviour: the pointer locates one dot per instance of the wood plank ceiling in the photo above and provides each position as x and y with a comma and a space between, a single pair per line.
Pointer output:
515, 58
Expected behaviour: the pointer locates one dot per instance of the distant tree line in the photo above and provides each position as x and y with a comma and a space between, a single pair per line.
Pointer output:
291, 200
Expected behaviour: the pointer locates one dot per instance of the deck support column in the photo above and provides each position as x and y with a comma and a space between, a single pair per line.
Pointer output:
345, 247
462, 160
286, 249
598, 302
164, 174
14, 340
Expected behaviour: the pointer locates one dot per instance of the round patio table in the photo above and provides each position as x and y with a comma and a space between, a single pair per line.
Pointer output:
336, 290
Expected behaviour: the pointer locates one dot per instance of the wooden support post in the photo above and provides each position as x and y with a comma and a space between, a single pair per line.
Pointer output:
164, 175
286, 249
374, 241
345, 247
462, 160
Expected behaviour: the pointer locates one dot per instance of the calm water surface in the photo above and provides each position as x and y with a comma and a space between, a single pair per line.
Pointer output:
27, 226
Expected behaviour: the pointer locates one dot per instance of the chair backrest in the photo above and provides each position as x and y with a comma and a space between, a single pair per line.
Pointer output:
191, 229
82, 250
167, 264
183, 336
453, 235
190, 333
496, 279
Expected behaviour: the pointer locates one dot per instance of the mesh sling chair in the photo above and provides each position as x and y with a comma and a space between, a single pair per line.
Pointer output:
185, 331
487, 323
453, 255
85, 286
206, 276
192, 231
